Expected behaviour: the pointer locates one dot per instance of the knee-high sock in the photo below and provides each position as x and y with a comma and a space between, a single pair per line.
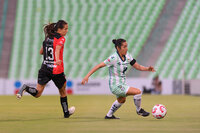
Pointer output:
115, 106
32, 91
137, 101
64, 104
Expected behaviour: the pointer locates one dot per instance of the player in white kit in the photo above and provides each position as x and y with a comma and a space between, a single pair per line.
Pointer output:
118, 64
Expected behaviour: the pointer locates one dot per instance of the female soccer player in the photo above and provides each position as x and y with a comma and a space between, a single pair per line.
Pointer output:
52, 66
117, 64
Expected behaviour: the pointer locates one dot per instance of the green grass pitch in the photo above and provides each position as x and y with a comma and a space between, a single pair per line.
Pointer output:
44, 115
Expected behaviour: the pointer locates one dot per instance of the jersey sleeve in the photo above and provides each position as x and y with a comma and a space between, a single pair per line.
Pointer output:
61, 41
131, 60
110, 61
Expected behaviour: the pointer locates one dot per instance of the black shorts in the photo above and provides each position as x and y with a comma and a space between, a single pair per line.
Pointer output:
45, 76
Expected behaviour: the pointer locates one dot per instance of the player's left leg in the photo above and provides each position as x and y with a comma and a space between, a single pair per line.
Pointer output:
115, 106
43, 78
137, 100
64, 103
36, 92
60, 82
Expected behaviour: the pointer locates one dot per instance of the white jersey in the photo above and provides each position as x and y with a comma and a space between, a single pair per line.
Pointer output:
118, 68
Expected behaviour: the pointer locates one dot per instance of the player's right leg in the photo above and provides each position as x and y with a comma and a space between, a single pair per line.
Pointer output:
137, 100
133, 91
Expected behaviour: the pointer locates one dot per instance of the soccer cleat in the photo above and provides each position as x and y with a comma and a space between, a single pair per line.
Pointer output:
112, 117
21, 91
71, 112
142, 112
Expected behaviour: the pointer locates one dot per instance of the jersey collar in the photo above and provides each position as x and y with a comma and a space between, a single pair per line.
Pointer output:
57, 35
121, 58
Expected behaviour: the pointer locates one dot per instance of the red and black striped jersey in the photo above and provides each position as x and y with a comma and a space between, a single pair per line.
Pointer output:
49, 59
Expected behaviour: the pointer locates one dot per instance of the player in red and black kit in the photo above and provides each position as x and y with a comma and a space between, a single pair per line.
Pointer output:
52, 67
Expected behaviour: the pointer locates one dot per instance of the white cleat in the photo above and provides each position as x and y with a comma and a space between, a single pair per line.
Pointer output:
21, 91
19, 96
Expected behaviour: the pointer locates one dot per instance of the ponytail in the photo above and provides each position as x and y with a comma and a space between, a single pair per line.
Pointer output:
51, 28
114, 41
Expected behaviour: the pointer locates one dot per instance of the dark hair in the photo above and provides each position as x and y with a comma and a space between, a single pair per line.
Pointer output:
118, 42
51, 28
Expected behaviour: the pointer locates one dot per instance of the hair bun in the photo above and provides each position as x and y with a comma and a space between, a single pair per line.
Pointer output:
114, 41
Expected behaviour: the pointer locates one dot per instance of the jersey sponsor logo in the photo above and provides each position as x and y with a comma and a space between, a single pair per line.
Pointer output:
51, 66
124, 63
48, 62
125, 68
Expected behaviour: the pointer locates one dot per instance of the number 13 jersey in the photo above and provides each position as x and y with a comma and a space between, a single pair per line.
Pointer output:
49, 58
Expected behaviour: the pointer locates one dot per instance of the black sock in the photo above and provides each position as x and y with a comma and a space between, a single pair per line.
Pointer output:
64, 104
32, 91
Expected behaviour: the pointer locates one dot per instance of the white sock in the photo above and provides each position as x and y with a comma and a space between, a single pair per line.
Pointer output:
115, 106
137, 101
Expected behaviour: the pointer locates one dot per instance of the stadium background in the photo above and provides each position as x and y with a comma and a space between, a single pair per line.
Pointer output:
161, 33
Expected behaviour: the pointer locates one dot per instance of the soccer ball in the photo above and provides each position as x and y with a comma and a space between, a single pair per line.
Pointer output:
159, 111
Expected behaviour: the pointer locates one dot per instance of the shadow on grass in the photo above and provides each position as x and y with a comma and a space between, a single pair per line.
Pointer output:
18, 119
84, 119
71, 119
75, 119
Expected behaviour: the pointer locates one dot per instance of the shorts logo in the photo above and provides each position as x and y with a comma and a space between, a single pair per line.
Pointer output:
121, 87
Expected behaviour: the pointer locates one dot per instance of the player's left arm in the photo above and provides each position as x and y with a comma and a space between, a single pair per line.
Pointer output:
143, 68
57, 54
59, 44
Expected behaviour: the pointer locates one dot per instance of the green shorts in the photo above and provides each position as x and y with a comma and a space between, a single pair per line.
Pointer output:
119, 90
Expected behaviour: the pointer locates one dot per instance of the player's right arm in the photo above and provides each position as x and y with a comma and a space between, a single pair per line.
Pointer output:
85, 79
41, 50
